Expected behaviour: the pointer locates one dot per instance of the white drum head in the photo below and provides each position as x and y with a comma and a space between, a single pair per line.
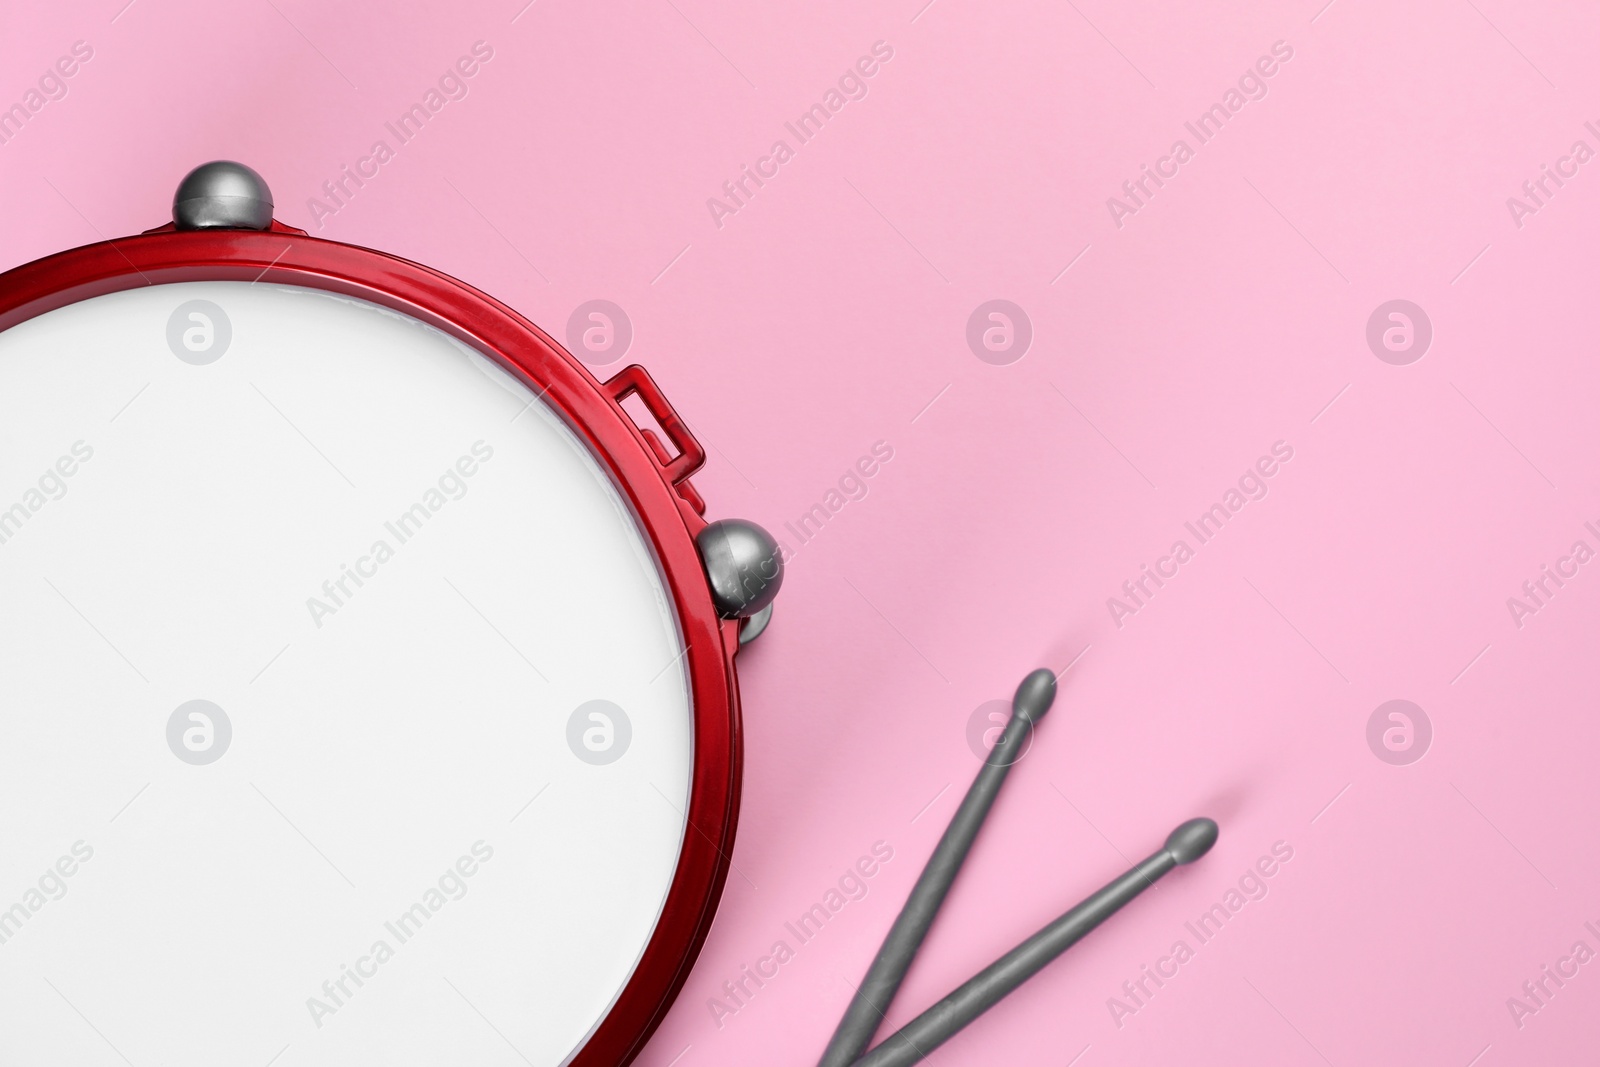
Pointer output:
344, 708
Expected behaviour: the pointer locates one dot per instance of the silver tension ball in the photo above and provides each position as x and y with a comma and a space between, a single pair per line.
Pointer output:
743, 566
222, 195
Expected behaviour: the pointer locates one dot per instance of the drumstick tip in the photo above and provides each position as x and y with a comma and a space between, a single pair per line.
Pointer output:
1035, 695
1191, 840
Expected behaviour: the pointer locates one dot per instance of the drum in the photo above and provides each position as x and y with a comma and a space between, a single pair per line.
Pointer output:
368, 682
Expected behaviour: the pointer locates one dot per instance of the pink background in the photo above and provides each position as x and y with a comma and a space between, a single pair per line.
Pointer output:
1229, 313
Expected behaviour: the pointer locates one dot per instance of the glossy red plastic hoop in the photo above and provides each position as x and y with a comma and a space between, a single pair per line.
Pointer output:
666, 507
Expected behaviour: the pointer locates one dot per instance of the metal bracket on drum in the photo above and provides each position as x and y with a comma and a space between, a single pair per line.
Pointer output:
222, 196
745, 568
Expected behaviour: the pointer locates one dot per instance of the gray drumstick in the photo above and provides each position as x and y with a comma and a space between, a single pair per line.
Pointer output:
941, 1022
1033, 698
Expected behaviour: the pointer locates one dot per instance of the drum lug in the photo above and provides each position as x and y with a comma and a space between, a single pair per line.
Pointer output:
222, 195
744, 567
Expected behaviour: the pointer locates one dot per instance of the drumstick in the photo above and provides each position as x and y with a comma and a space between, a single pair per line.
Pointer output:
1033, 698
939, 1023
